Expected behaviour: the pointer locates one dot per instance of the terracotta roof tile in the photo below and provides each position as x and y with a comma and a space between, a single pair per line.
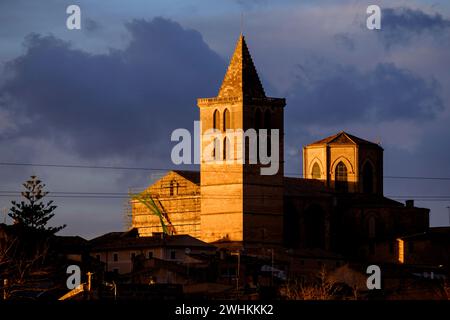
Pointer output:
241, 78
343, 138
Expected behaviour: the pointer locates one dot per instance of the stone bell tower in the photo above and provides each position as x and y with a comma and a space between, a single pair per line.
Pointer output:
240, 206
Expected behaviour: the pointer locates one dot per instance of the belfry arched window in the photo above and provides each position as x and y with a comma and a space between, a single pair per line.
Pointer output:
216, 149
226, 120
226, 148
315, 172
367, 178
216, 119
340, 177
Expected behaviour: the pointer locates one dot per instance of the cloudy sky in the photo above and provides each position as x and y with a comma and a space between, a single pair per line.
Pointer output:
111, 93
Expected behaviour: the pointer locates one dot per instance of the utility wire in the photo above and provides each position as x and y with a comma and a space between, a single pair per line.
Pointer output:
76, 166
126, 194
121, 195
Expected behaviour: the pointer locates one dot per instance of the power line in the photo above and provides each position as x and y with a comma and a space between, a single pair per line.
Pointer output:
424, 196
144, 192
76, 166
417, 178
123, 195
215, 198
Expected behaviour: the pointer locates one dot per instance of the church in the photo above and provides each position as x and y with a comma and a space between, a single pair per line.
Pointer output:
337, 206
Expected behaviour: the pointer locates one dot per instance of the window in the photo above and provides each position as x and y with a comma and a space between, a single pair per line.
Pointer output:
216, 119
216, 149
226, 120
115, 257
315, 171
341, 177
368, 178
150, 254
173, 188
226, 149
173, 255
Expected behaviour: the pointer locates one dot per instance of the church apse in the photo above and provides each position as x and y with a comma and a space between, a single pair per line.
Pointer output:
345, 163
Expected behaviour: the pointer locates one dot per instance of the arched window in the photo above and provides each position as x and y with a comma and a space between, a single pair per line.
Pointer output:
173, 188
226, 120
315, 173
340, 178
216, 149
216, 119
226, 148
368, 178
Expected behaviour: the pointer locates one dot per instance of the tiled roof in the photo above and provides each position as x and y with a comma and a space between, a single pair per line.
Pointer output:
128, 240
343, 138
241, 78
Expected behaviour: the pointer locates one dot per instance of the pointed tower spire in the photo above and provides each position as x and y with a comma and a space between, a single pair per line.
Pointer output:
241, 105
241, 79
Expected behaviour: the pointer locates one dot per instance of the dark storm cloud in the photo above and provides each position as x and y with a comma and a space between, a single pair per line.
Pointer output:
124, 103
400, 25
328, 94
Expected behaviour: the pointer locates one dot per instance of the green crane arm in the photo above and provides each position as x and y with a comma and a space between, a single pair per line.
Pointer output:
148, 201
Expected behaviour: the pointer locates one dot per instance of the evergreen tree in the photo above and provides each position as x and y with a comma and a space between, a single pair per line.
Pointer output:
33, 213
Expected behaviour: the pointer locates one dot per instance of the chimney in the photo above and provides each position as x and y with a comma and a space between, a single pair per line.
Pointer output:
409, 203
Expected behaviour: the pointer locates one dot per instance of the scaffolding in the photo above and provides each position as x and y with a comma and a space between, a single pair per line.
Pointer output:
127, 214
168, 205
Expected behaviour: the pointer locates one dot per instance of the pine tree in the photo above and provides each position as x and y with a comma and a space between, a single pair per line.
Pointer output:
34, 213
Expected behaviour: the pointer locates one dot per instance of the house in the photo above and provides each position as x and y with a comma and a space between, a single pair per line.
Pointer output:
119, 250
